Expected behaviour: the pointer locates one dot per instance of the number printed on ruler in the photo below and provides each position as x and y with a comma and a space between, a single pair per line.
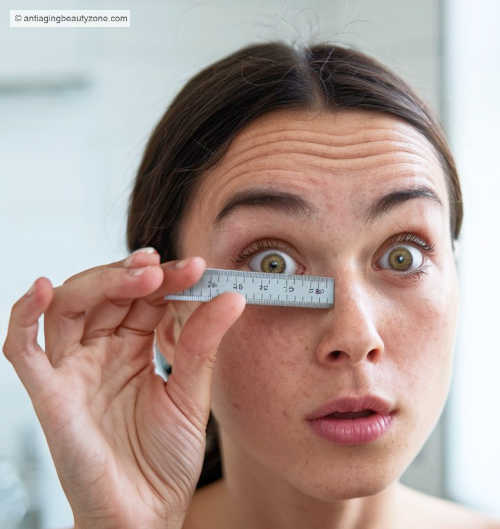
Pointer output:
260, 288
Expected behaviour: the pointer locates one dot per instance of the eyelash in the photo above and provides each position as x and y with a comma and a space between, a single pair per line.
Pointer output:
264, 244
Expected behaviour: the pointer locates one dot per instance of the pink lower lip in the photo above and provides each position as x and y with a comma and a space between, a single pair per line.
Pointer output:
352, 431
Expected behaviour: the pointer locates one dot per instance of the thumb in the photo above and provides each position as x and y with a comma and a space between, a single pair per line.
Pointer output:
189, 385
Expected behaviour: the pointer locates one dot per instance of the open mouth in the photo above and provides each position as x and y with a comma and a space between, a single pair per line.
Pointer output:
353, 427
350, 414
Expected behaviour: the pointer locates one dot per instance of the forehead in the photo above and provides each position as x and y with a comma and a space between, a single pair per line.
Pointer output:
347, 156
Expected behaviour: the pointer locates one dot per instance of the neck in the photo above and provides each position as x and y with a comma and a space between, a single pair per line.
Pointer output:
257, 498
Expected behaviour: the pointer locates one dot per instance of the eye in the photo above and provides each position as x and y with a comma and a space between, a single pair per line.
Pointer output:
402, 258
272, 261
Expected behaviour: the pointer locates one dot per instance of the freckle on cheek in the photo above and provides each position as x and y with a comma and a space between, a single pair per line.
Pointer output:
306, 394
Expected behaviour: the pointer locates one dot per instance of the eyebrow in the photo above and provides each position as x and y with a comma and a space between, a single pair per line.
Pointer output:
295, 205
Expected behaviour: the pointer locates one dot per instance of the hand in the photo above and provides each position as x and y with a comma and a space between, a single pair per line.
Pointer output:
128, 447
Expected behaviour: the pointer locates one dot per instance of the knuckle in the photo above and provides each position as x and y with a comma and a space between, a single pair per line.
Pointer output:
8, 350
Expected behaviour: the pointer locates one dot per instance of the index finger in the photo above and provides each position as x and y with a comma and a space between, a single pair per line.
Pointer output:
146, 313
141, 257
111, 298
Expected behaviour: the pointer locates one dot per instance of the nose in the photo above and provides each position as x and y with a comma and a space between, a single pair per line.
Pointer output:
351, 333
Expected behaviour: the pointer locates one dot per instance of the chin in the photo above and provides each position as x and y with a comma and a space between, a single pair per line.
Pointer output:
360, 490
336, 488
340, 491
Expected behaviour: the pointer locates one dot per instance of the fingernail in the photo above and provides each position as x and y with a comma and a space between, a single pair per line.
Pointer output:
147, 249
137, 271
182, 264
178, 264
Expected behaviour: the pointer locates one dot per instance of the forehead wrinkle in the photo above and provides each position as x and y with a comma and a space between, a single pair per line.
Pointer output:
362, 125
321, 158
334, 138
337, 156
321, 143
384, 162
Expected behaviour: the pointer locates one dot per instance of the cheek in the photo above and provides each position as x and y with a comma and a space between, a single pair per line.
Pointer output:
263, 350
422, 347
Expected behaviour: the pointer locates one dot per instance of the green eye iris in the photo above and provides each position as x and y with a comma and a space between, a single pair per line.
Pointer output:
400, 258
273, 263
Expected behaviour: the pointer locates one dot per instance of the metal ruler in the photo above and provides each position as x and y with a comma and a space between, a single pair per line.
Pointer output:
259, 288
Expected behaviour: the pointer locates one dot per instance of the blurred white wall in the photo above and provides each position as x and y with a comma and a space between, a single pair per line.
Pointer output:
473, 115
76, 108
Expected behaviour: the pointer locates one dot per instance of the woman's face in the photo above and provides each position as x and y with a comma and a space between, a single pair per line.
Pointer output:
391, 331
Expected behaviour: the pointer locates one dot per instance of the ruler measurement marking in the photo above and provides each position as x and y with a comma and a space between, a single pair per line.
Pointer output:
295, 286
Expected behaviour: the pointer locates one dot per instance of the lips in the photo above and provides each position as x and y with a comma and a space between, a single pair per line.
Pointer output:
353, 405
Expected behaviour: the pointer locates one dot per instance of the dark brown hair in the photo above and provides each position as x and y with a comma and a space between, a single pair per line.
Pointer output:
202, 120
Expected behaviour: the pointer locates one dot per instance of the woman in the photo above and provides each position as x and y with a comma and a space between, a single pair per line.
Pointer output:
317, 161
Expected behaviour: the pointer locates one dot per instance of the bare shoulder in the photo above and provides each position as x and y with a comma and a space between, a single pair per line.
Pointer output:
445, 514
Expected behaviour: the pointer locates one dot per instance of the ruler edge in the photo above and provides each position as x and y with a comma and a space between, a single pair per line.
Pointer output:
265, 275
